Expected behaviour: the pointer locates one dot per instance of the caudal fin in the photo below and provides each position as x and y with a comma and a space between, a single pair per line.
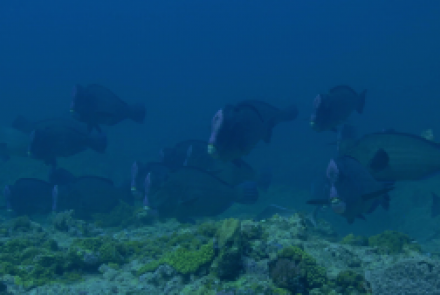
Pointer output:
98, 142
22, 124
137, 112
361, 104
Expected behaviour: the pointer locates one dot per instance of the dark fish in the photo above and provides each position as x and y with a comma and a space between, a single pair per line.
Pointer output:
62, 138
354, 191
235, 130
334, 108
61, 176
29, 196
394, 156
435, 207
193, 153
97, 105
88, 195
271, 210
191, 192
13, 143
188, 153
139, 171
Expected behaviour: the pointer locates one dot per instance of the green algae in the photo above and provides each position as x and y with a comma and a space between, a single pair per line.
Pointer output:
31, 265
299, 267
393, 242
349, 282
353, 240
183, 260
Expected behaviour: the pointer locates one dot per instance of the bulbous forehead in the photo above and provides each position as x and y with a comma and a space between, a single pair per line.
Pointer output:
317, 101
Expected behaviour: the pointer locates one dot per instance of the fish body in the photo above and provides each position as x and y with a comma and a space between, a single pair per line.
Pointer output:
236, 129
333, 108
139, 172
190, 152
191, 192
354, 191
394, 156
97, 105
193, 153
88, 195
29, 196
62, 138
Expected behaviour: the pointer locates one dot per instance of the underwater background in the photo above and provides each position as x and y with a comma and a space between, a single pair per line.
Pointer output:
186, 59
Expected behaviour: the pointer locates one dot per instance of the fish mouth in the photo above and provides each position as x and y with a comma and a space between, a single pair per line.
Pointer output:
312, 123
72, 110
335, 201
338, 206
133, 189
211, 149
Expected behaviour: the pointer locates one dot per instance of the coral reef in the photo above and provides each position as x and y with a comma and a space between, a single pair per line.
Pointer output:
280, 255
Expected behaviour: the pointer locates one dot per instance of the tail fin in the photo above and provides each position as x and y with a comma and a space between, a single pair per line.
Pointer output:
361, 104
289, 114
248, 193
98, 142
136, 112
22, 124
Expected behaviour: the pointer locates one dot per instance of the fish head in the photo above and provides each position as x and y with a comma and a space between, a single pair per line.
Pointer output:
220, 125
318, 113
332, 171
77, 102
38, 144
216, 126
338, 205
224, 140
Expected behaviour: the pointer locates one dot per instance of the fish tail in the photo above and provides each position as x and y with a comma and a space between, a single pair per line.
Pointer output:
361, 105
136, 112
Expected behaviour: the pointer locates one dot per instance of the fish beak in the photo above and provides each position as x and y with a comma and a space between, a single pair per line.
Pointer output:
335, 201
133, 189
72, 110
211, 149
312, 123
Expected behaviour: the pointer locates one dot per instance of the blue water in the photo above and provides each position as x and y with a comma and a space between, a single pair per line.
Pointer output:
186, 59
